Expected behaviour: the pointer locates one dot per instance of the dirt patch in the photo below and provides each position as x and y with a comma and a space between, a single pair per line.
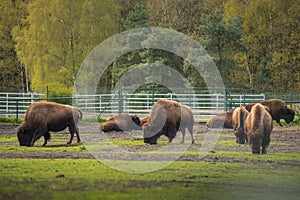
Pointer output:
8, 129
283, 139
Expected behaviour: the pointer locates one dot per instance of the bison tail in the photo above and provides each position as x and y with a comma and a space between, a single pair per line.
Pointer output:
80, 114
241, 120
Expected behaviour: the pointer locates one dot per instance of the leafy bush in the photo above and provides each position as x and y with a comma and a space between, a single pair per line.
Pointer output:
10, 120
93, 120
59, 94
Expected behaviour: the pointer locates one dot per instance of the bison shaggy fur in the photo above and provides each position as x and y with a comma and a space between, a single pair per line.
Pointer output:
167, 118
259, 126
238, 121
122, 122
278, 110
43, 117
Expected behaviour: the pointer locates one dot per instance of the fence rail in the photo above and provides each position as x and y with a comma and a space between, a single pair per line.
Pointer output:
203, 105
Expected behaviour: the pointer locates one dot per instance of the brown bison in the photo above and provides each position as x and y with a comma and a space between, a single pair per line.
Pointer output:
222, 120
238, 121
259, 126
167, 118
122, 122
42, 117
145, 121
278, 110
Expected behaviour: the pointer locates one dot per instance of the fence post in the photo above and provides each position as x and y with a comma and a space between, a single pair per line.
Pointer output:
17, 110
226, 99
7, 103
47, 93
217, 101
152, 96
120, 102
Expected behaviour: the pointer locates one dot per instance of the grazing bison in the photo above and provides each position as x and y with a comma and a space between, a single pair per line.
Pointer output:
278, 110
168, 117
122, 122
42, 117
222, 120
238, 121
259, 126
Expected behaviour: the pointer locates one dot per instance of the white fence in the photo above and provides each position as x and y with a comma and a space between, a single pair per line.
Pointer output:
15, 103
106, 105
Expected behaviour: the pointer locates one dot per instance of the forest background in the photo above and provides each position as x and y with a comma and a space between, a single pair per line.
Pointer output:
254, 43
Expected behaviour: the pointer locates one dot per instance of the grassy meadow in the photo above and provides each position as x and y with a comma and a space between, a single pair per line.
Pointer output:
60, 171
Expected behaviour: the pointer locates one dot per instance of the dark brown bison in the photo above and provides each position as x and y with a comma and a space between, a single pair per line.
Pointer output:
42, 117
222, 120
259, 126
122, 122
167, 118
238, 121
278, 110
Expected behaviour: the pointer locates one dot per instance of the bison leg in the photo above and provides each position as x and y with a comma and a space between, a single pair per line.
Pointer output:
191, 132
183, 135
265, 144
77, 135
36, 135
73, 130
46, 138
172, 133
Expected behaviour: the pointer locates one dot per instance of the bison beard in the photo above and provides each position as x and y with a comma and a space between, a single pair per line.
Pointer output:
168, 117
43, 117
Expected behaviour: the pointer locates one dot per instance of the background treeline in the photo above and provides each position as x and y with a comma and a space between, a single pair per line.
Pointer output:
254, 43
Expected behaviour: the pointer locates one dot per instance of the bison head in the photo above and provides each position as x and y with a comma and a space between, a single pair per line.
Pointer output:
150, 136
241, 136
24, 136
255, 143
289, 115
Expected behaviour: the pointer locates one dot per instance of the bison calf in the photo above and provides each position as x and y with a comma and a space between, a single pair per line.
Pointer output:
259, 126
42, 117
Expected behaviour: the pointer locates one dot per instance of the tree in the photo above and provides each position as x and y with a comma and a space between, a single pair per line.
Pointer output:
222, 40
59, 35
12, 72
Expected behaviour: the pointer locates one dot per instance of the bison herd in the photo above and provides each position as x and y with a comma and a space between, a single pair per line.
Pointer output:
251, 124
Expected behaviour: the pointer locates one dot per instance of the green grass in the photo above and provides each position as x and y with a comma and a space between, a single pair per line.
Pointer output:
10, 120
248, 176
83, 178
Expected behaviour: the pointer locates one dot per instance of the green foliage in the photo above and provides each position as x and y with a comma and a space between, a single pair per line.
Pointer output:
11, 70
60, 94
222, 40
10, 120
255, 44
59, 37
93, 120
